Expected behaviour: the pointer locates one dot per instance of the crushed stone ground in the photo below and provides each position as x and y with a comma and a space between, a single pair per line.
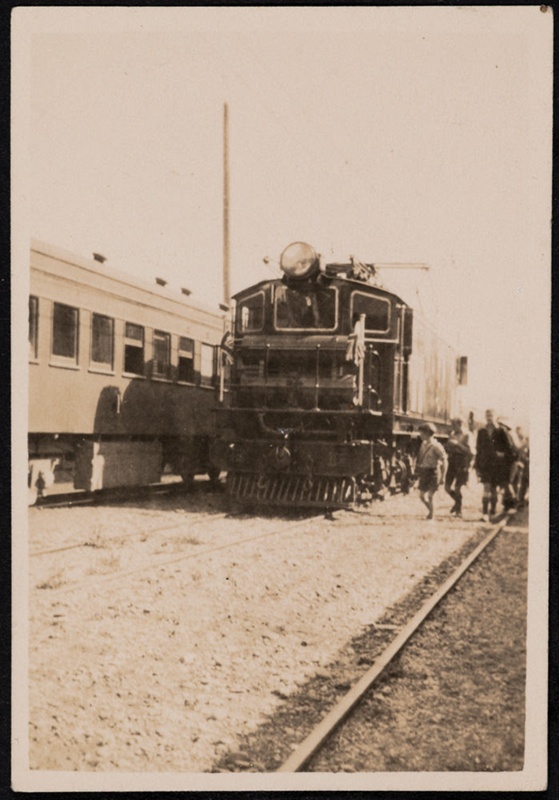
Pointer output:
174, 630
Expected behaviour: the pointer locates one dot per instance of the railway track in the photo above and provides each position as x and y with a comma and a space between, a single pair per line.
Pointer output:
330, 723
145, 532
94, 582
285, 624
78, 497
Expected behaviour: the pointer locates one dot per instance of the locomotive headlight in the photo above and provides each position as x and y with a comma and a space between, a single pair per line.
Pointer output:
299, 260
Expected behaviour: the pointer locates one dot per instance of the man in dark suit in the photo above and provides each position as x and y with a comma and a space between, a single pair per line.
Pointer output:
484, 465
495, 455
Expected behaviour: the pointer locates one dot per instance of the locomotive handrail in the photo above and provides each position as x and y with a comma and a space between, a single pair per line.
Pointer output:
323, 411
280, 433
317, 383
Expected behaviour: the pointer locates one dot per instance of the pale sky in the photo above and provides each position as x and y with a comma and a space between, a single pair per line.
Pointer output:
392, 134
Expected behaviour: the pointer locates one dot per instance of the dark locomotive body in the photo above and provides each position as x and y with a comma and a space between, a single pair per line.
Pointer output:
122, 377
327, 391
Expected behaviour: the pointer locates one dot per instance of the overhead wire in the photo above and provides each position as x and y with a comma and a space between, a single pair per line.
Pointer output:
300, 112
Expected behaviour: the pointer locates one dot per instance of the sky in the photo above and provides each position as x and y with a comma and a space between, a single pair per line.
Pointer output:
416, 135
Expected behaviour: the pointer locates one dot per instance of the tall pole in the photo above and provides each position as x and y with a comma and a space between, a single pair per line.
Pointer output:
226, 288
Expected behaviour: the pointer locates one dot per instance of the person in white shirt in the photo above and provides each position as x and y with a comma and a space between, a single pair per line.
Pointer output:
430, 466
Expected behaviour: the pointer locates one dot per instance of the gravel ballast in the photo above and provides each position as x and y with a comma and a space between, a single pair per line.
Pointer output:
169, 665
454, 700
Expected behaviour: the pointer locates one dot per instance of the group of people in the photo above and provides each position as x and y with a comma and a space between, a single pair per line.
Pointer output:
501, 463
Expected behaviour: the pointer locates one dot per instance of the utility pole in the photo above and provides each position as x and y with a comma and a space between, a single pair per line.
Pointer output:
226, 287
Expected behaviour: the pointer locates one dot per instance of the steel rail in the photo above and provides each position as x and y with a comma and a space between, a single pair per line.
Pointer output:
104, 579
330, 722
144, 532
122, 494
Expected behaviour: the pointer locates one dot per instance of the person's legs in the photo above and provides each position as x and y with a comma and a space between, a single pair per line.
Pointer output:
486, 498
523, 487
427, 500
493, 499
509, 500
422, 497
449, 478
458, 496
430, 504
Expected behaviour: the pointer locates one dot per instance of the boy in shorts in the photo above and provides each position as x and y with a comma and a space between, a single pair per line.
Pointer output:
430, 466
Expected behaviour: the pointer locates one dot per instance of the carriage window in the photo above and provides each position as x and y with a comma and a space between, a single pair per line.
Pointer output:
134, 349
33, 326
102, 340
161, 354
65, 320
186, 360
207, 361
309, 307
376, 310
250, 314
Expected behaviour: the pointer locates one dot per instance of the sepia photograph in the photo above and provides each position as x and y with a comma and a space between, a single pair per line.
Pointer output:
283, 275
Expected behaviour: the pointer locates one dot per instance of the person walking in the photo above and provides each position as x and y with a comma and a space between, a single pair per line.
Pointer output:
430, 466
521, 467
459, 458
484, 465
506, 454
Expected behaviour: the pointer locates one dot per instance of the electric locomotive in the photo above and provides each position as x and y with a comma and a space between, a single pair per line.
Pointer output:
330, 378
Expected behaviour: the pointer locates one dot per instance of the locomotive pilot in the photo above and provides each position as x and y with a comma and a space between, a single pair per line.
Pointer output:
430, 466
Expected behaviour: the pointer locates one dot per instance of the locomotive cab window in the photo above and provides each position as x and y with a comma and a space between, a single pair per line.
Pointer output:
186, 360
65, 322
102, 341
305, 308
207, 365
161, 354
250, 313
33, 327
376, 310
134, 349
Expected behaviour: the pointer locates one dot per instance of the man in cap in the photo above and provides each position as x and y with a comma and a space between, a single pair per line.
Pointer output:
459, 457
430, 466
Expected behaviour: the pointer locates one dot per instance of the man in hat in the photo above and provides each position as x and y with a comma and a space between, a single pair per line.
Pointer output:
495, 455
485, 465
430, 466
459, 457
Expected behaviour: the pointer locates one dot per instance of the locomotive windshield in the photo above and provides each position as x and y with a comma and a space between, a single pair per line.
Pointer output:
376, 310
306, 307
250, 313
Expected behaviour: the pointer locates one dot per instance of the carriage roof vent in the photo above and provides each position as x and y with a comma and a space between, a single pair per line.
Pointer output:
185, 291
161, 281
98, 257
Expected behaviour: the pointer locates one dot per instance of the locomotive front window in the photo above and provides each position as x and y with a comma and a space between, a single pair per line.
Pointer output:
376, 310
250, 313
102, 340
65, 321
331, 365
161, 354
33, 326
207, 364
134, 349
308, 307
186, 360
